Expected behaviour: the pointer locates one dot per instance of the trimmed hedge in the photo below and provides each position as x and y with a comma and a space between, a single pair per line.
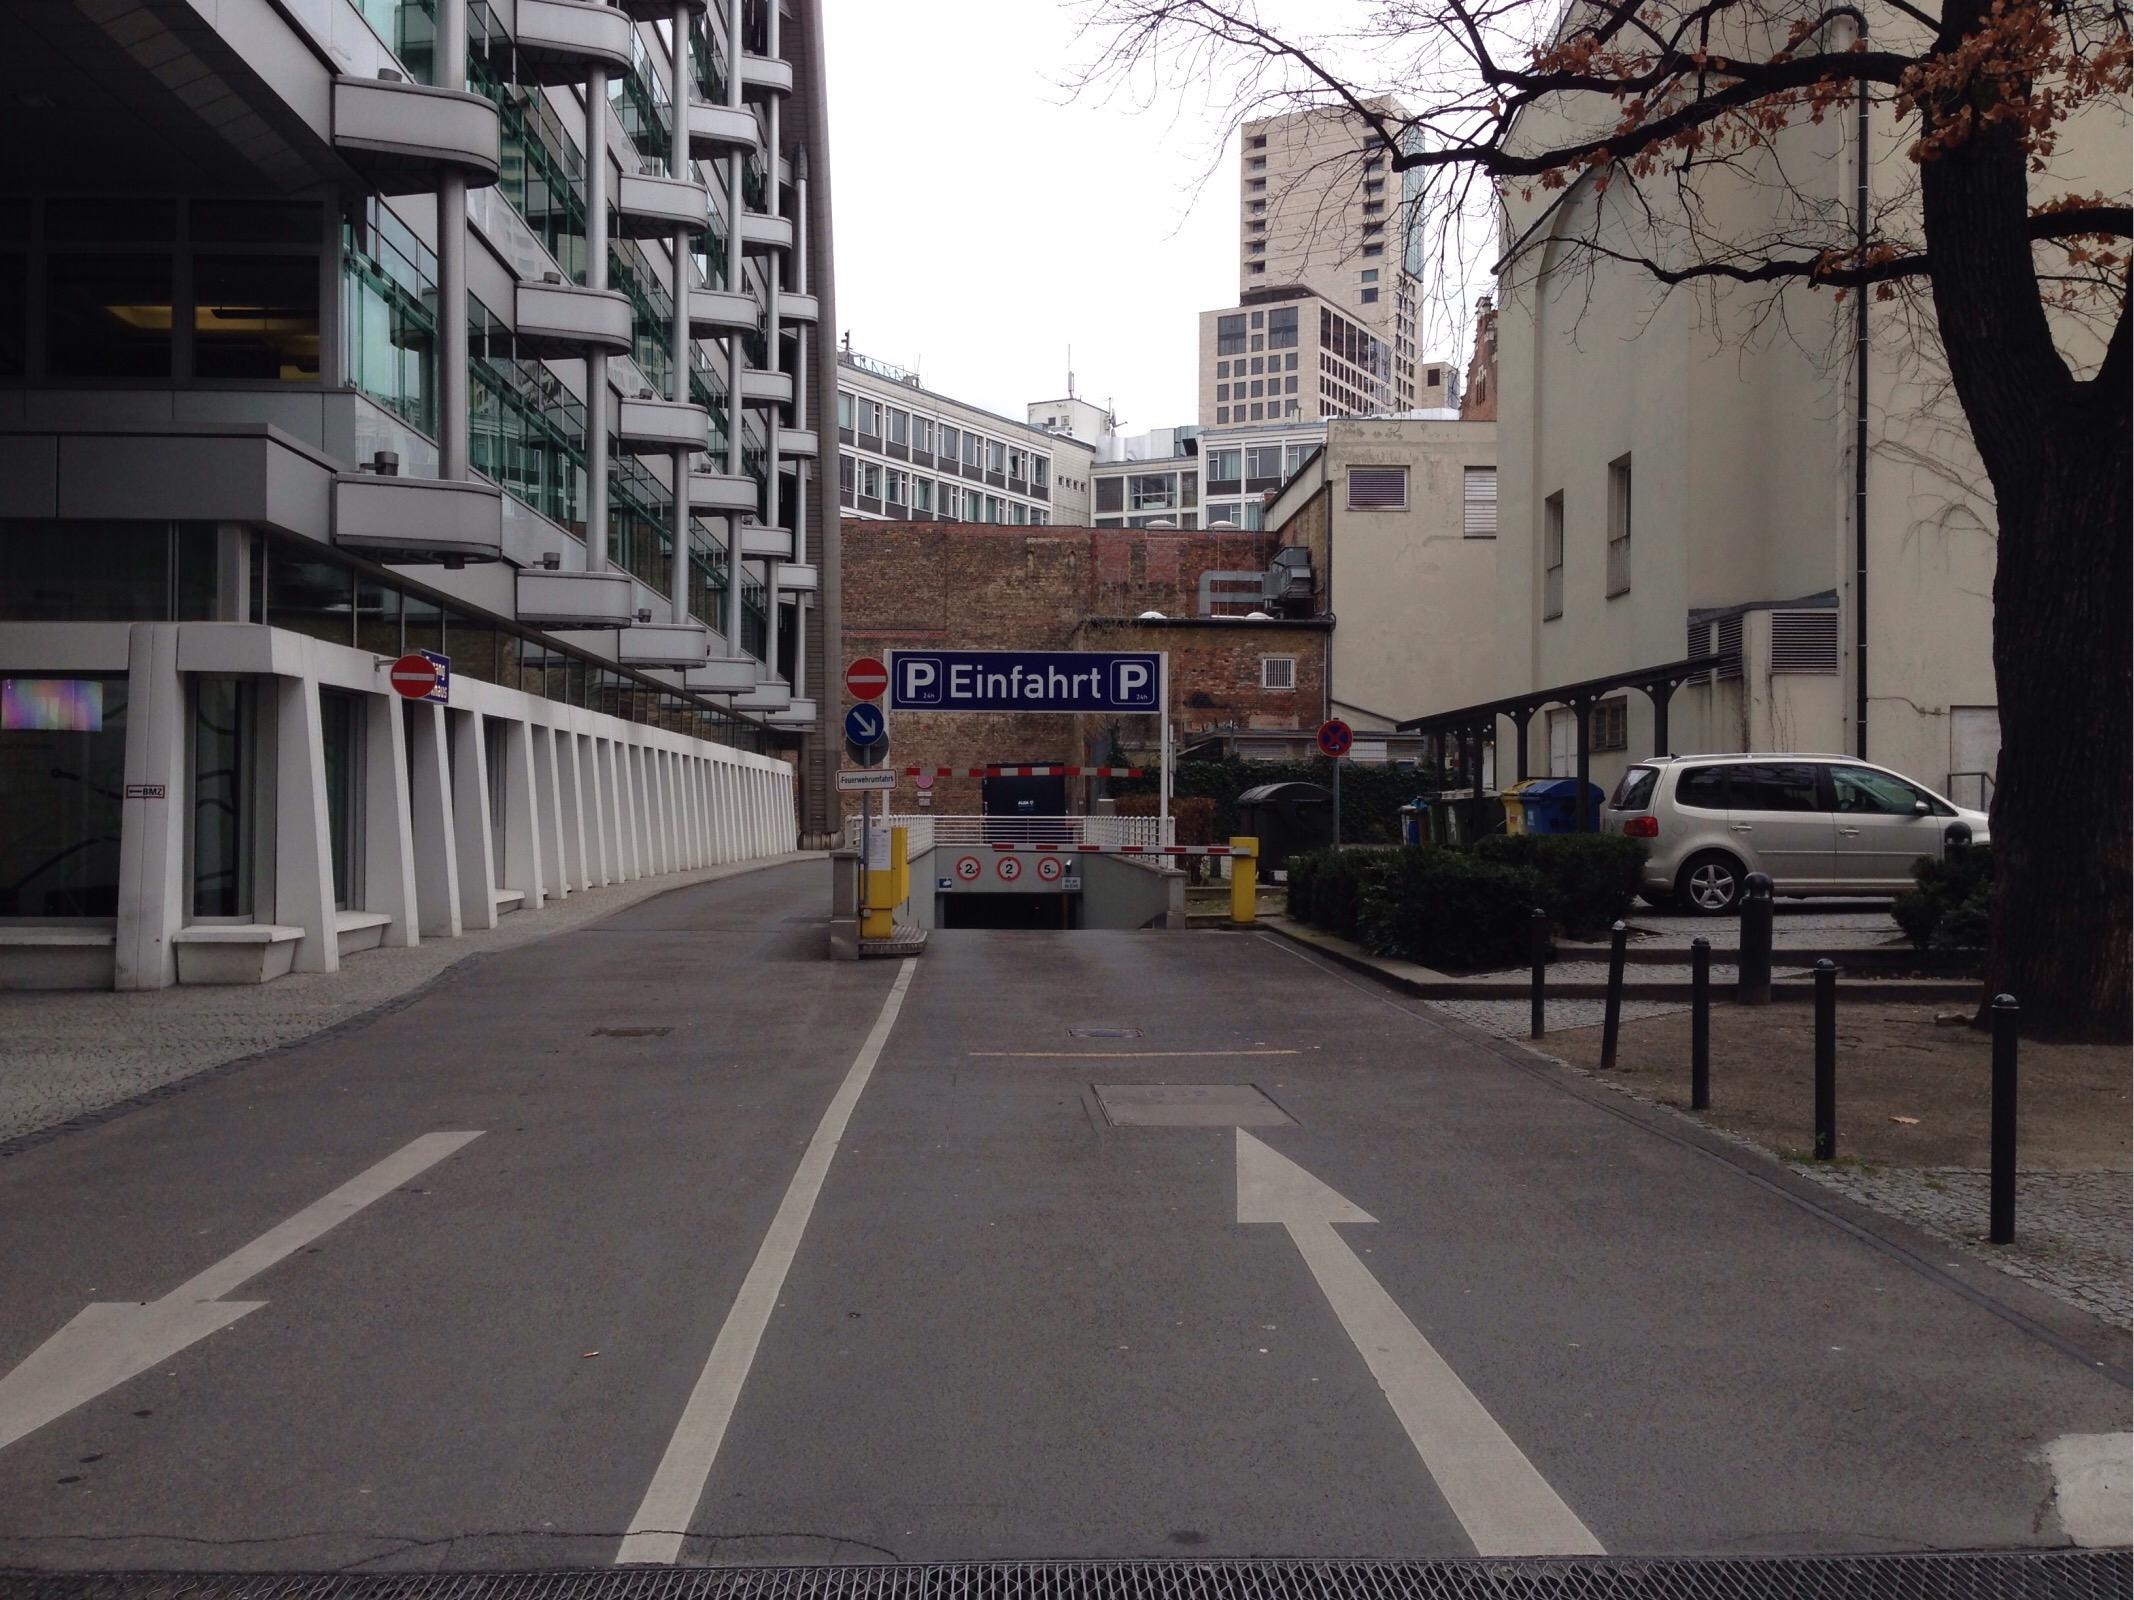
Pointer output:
1588, 880
1326, 887
1448, 908
1953, 901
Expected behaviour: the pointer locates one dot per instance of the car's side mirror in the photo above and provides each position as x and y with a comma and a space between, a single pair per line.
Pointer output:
1921, 809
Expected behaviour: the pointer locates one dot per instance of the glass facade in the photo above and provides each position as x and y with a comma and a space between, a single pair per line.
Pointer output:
651, 312
526, 431
640, 513
388, 320
543, 172
106, 571
225, 797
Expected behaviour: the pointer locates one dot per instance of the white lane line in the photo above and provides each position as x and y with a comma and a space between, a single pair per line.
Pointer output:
656, 1531
111, 1341
1504, 1504
1114, 1055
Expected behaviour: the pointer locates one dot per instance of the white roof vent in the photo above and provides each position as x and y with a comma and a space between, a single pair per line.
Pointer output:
1258, 616
1152, 616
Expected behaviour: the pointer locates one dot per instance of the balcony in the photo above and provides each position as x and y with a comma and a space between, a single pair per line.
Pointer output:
722, 675
771, 695
762, 387
575, 599
766, 75
761, 542
799, 443
400, 136
798, 307
559, 41
715, 312
656, 10
800, 714
649, 426
722, 130
418, 519
648, 206
664, 644
562, 320
723, 493
762, 233
796, 579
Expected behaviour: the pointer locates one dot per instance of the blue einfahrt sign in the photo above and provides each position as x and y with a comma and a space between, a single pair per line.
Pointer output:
1026, 680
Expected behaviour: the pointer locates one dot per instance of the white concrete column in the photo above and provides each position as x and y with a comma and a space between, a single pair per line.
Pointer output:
303, 856
388, 822
548, 793
570, 800
627, 800
656, 810
430, 815
522, 820
152, 889
470, 821
600, 856
685, 770
707, 823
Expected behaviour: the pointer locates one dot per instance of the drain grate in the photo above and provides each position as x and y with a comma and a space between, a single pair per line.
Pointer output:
2051, 1575
631, 1033
1092, 1032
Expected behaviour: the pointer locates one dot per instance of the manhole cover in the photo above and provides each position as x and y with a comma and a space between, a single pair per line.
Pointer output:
631, 1033
1188, 1105
1105, 1033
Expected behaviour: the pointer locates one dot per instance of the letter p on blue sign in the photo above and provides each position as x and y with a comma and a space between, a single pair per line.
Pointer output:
1133, 683
918, 681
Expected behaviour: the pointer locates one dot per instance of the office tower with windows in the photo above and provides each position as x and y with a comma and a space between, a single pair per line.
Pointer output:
340, 332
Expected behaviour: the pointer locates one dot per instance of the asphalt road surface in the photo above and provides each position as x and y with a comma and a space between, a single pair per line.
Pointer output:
670, 1239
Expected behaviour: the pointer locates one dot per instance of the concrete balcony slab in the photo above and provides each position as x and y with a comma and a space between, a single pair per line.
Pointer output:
799, 443
762, 233
713, 312
650, 427
722, 675
566, 321
664, 644
418, 519
722, 130
766, 75
763, 387
723, 492
761, 542
575, 599
648, 206
400, 136
559, 41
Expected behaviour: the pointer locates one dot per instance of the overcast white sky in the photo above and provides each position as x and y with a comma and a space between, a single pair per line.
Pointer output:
985, 221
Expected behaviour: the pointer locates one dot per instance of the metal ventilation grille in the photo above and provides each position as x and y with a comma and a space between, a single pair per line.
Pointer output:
1378, 488
1804, 641
2055, 1575
1728, 644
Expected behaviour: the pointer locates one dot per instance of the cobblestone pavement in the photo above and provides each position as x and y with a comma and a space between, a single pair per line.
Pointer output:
69, 1054
1508, 1019
1861, 926
2074, 1230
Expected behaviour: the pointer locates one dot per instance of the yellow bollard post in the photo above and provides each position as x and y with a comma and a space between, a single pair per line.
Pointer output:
877, 883
1244, 882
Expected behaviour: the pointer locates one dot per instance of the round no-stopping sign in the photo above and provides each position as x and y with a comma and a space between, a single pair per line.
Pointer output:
968, 868
1335, 737
1009, 868
1049, 868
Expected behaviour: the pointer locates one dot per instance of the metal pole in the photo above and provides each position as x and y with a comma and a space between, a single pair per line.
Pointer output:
1700, 1024
1753, 982
1337, 802
596, 364
1538, 939
452, 353
1612, 1017
2006, 1018
1163, 787
1826, 1059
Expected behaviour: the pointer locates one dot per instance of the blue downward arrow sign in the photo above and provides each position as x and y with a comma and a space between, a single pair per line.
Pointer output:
864, 724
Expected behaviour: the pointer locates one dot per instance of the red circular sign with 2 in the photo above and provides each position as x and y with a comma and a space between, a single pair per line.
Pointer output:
1049, 868
866, 678
1009, 869
967, 868
1334, 737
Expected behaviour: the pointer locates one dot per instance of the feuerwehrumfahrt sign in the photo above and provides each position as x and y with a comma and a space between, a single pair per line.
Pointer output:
1026, 680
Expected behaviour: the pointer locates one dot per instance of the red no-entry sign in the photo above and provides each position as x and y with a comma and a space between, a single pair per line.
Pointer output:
417, 677
866, 678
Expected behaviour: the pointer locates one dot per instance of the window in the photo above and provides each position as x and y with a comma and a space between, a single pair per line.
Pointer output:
1292, 458
1633, 791
341, 719
1705, 788
949, 444
1226, 466
1479, 502
1259, 319
844, 409
1290, 361
974, 450
1257, 267
1611, 724
256, 317
1257, 186
1040, 472
1222, 414
1258, 412
1775, 786
996, 455
922, 497
897, 487
1552, 557
1222, 391
1230, 335
108, 315
899, 427
1278, 672
1289, 385
63, 770
847, 477
1263, 461
1370, 297
1880, 794
1222, 369
870, 480
225, 777
1619, 526
1153, 491
1374, 249
1282, 328
1111, 494
1378, 488
1370, 275
871, 418
1258, 388
1434, 376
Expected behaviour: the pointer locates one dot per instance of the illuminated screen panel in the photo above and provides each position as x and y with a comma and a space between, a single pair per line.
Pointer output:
51, 705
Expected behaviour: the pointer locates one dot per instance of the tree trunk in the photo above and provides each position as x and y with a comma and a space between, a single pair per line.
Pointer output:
2057, 451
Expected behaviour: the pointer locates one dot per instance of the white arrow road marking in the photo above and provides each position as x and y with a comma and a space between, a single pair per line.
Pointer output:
1507, 1508
111, 1341
655, 1532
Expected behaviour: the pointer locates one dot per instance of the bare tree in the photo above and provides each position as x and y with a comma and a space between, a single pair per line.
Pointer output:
1659, 102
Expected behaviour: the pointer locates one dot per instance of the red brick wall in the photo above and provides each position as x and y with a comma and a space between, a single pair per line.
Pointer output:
979, 586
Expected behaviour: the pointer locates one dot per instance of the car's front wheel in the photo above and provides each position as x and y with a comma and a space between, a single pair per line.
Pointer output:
1710, 884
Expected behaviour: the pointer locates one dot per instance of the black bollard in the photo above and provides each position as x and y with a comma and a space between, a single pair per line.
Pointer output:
1826, 1060
1700, 1024
2006, 1015
1612, 1018
1754, 983
1538, 939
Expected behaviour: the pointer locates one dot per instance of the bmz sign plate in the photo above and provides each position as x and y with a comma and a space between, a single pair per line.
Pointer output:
1025, 680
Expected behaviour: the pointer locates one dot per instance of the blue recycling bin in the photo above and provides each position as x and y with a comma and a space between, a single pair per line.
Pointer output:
1414, 820
1551, 806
